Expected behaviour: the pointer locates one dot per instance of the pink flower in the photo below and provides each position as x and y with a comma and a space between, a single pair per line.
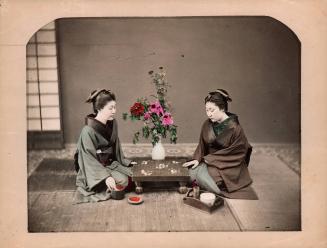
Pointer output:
167, 119
156, 108
147, 116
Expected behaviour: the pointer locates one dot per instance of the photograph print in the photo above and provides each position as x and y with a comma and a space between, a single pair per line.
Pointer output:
164, 124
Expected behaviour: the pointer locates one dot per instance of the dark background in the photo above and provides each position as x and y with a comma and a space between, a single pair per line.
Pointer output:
256, 59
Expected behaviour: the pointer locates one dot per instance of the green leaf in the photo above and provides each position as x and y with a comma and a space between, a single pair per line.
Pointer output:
145, 132
155, 139
136, 137
173, 134
135, 118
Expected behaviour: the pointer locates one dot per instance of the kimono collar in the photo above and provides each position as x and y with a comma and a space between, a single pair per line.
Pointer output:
218, 128
232, 118
103, 129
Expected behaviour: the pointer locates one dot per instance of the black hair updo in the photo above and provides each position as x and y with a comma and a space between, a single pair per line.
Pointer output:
220, 98
99, 99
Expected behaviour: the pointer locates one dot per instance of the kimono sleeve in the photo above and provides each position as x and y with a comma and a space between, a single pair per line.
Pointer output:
93, 171
231, 156
120, 155
200, 149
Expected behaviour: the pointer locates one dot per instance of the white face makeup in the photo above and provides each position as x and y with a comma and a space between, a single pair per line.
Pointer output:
214, 113
109, 110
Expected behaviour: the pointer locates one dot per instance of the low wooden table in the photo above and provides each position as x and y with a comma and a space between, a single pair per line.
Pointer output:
168, 170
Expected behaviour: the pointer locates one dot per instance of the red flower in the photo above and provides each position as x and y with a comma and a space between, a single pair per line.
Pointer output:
137, 109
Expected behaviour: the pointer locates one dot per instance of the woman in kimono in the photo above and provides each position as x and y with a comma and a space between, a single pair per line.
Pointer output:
220, 161
99, 160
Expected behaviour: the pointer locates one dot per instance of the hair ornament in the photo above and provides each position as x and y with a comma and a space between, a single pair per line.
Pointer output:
225, 94
95, 93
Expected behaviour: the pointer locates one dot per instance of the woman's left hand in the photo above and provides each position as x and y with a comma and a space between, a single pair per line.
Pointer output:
193, 163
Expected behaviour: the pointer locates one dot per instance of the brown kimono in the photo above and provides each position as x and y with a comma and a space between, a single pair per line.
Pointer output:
226, 155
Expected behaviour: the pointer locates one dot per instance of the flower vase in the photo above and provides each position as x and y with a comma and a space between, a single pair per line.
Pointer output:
158, 151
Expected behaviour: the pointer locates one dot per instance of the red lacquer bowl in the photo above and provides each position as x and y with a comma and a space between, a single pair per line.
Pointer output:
135, 200
119, 187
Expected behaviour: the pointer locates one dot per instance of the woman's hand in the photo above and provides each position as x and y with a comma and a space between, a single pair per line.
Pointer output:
111, 184
193, 163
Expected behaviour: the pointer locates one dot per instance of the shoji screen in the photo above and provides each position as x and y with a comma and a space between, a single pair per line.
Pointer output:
43, 98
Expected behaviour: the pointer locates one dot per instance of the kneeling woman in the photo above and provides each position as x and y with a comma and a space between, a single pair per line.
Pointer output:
99, 159
221, 158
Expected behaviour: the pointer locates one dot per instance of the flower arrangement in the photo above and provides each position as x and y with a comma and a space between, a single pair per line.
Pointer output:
155, 115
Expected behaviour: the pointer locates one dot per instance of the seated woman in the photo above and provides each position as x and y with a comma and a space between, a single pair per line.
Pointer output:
99, 159
222, 156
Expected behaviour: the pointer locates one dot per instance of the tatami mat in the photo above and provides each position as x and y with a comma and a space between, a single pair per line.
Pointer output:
278, 189
51, 207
